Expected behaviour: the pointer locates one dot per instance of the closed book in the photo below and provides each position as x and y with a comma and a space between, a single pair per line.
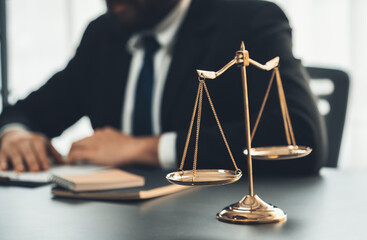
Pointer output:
120, 195
96, 181
156, 185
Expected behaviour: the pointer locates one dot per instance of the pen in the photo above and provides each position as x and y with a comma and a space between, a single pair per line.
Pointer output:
4, 179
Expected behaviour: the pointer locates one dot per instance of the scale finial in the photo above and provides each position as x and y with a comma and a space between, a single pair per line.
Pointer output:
242, 46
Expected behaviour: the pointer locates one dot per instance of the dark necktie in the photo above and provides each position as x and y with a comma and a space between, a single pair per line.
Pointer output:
142, 123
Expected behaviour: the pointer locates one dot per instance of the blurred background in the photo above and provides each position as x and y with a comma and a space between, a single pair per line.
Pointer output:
43, 35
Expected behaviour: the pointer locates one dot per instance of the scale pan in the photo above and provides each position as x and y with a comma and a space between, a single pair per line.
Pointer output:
279, 152
204, 177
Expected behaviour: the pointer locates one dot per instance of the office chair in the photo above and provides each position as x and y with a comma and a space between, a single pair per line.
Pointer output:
3, 50
331, 86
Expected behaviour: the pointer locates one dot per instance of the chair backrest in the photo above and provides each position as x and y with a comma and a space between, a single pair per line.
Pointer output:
331, 86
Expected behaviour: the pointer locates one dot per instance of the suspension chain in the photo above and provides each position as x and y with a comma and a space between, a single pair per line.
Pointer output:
220, 126
283, 102
190, 128
198, 109
198, 120
263, 105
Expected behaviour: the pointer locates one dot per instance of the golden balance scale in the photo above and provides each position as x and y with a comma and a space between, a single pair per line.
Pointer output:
250, 209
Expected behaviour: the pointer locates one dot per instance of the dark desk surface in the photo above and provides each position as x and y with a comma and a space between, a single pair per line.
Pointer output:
332, 206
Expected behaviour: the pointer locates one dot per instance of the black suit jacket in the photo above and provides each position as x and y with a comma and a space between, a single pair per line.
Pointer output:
93, 84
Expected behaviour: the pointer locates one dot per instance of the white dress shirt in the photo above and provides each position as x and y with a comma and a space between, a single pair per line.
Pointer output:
165, 33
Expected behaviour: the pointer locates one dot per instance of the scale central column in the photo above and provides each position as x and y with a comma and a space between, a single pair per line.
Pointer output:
251, 208
242, 61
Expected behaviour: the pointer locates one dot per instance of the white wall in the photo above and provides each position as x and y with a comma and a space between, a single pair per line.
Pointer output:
333, 33
43, 35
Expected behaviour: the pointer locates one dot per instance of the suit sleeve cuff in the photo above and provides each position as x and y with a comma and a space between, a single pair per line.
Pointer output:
12, 127
167, 150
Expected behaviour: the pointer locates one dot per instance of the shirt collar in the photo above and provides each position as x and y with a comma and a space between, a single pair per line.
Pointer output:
164, 31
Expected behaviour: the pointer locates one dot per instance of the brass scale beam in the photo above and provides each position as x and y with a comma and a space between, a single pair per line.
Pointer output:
243, 60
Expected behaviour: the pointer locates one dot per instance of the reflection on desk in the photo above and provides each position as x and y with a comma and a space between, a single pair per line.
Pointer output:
330, 206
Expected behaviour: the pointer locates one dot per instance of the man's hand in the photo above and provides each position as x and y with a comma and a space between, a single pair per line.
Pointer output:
24, 150
110, 147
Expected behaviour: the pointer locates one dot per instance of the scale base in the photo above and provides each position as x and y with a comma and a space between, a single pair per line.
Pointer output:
251, 210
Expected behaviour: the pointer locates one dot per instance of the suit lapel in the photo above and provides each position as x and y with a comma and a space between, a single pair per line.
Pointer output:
190, 49
113, 64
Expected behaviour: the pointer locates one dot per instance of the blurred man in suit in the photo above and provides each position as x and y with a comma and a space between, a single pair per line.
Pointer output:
133, 75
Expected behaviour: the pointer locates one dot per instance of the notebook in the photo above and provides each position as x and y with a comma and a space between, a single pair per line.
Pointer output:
135, 194
35, 179
155, 186
97, 181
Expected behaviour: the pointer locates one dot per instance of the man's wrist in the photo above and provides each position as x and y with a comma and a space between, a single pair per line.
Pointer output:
12, 127
148, 150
